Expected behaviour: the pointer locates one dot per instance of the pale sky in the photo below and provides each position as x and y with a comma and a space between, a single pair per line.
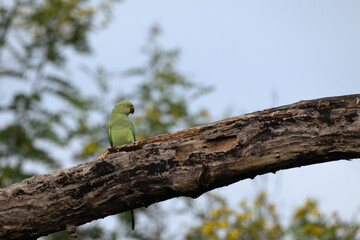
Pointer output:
250, 51
247, 49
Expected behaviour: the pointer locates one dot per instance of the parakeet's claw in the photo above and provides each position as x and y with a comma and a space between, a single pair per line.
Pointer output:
112, 149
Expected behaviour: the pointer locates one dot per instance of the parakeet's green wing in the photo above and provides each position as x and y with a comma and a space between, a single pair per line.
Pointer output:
108, 133
133, 131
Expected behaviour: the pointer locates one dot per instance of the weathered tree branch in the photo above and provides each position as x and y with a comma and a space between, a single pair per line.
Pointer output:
184, 163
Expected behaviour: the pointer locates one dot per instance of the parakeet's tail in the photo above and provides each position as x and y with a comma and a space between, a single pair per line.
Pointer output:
132, 220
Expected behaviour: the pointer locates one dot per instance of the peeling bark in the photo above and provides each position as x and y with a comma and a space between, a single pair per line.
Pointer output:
183, 163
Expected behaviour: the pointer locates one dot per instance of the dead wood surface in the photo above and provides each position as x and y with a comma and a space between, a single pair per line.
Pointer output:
184, 163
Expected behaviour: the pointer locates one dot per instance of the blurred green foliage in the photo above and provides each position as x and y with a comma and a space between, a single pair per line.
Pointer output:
257, 221
309, 223
41, 106
260, 220
164, 95
33, 38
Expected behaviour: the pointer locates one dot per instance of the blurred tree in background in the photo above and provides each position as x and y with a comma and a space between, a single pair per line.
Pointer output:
43, 108
261, 221
40, 105
163, 94
309, 223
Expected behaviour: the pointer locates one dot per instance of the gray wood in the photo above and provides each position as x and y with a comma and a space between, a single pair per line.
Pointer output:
184, 163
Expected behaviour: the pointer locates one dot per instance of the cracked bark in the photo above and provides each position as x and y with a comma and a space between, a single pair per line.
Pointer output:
184, 163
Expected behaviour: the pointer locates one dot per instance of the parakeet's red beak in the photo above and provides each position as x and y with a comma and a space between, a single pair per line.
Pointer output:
132, 110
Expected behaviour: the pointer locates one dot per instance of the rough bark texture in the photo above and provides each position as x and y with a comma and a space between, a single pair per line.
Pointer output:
184, 163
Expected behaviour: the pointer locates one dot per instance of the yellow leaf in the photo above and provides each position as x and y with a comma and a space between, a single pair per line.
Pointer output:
234, 234
222, 224
215, 213
89, 148
208, 228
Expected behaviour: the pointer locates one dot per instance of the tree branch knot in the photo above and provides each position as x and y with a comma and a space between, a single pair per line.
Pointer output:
204, 177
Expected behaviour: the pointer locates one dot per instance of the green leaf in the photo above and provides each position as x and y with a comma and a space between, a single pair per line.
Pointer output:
12, 74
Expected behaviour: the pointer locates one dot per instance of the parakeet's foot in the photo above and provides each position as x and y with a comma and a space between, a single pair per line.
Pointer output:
113, 149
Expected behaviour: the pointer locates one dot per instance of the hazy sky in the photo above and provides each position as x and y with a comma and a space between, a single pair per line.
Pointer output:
247, 49
256, 54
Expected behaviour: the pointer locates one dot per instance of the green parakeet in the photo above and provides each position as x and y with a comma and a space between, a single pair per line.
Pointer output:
120, 130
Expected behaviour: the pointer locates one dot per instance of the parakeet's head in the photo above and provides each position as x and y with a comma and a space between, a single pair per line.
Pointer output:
125, 107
